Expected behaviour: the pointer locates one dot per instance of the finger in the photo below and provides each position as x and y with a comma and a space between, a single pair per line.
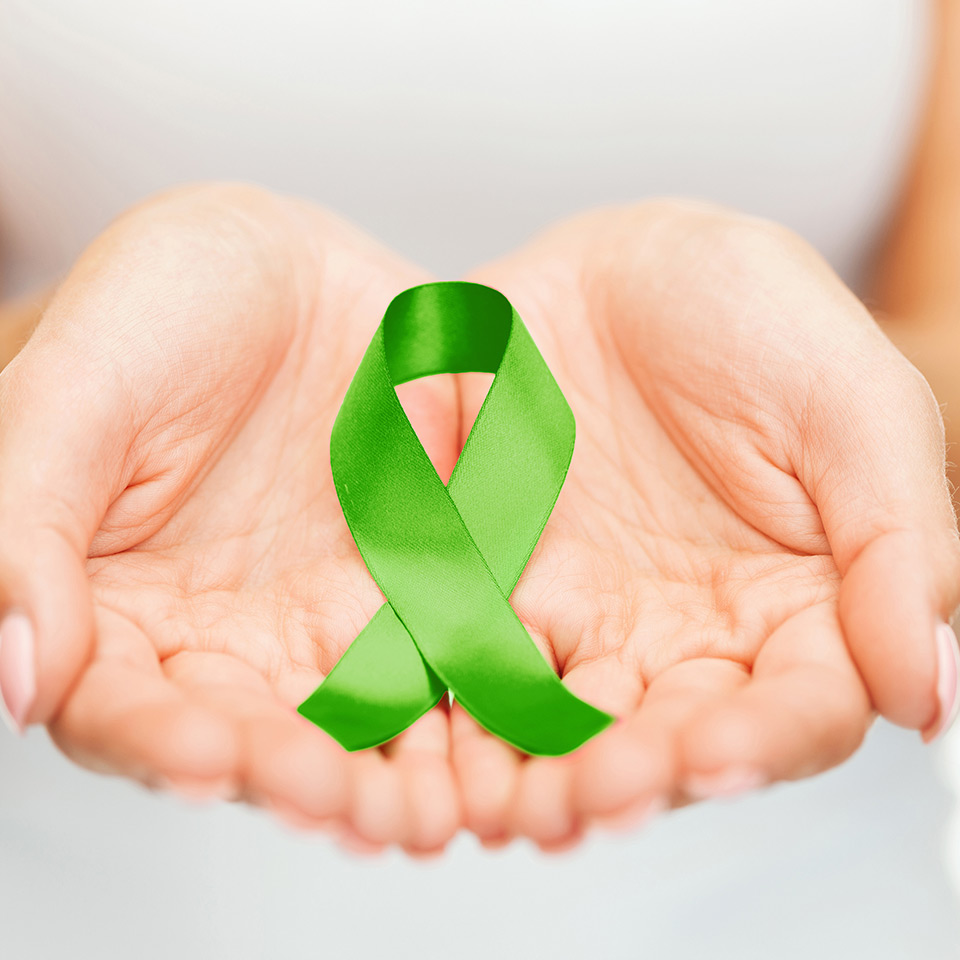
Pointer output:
629, 772
123, 721
58, 474
487, 772
432, 406
875, 467
125, 717
377, 813
421, 755
286, 763
473, 389
804, 709
543, 807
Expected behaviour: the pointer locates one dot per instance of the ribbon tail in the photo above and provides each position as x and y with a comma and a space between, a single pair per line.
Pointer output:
377, 689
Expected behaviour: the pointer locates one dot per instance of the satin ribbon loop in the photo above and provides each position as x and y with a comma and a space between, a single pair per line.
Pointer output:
448, 557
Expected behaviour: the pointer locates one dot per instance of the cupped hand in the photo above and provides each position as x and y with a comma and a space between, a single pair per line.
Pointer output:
753, 548
174, 559
755, 544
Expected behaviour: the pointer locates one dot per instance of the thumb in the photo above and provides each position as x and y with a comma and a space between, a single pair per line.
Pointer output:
62, 447
876, 471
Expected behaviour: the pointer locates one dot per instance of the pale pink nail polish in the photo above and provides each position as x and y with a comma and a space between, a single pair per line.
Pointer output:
730, 782
948, 688
18, 677
634, 815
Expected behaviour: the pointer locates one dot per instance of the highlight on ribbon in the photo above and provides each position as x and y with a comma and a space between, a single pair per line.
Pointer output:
448, 557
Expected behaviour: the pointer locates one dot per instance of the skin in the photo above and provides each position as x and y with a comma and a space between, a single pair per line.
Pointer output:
750, 555
915, 288
737, 504
197, 578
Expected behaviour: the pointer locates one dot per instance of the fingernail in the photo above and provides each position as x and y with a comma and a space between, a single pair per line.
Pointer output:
948, 667
18, 678
633, 816
730, 782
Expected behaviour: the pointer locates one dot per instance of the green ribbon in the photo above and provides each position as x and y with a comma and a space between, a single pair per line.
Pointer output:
447, 558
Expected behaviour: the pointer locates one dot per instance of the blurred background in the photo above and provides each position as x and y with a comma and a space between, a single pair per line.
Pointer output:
453, 132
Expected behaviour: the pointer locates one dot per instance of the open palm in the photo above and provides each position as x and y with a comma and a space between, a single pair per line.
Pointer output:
734, 455
752, 550
217, 331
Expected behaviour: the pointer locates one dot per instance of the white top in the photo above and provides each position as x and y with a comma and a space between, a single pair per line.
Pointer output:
453, 131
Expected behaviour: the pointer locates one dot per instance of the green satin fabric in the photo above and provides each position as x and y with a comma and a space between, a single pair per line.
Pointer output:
447, 558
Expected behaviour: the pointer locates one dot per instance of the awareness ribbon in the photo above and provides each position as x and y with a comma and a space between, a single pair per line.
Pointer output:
448, 557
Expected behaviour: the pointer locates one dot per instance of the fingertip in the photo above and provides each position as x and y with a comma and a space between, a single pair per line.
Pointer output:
542, 807
377, 807
293, 817
619, 770
889, 614
494, 844
722, 754
720, 736
307, 771
781, 727
190, 742
356, 843
564, 844
421, 756
46, 634
487, 771
433, 806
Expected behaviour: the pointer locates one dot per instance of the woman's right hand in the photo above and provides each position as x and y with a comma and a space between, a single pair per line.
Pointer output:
176, 571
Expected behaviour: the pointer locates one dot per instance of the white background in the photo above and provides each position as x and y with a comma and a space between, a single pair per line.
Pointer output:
453, 131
